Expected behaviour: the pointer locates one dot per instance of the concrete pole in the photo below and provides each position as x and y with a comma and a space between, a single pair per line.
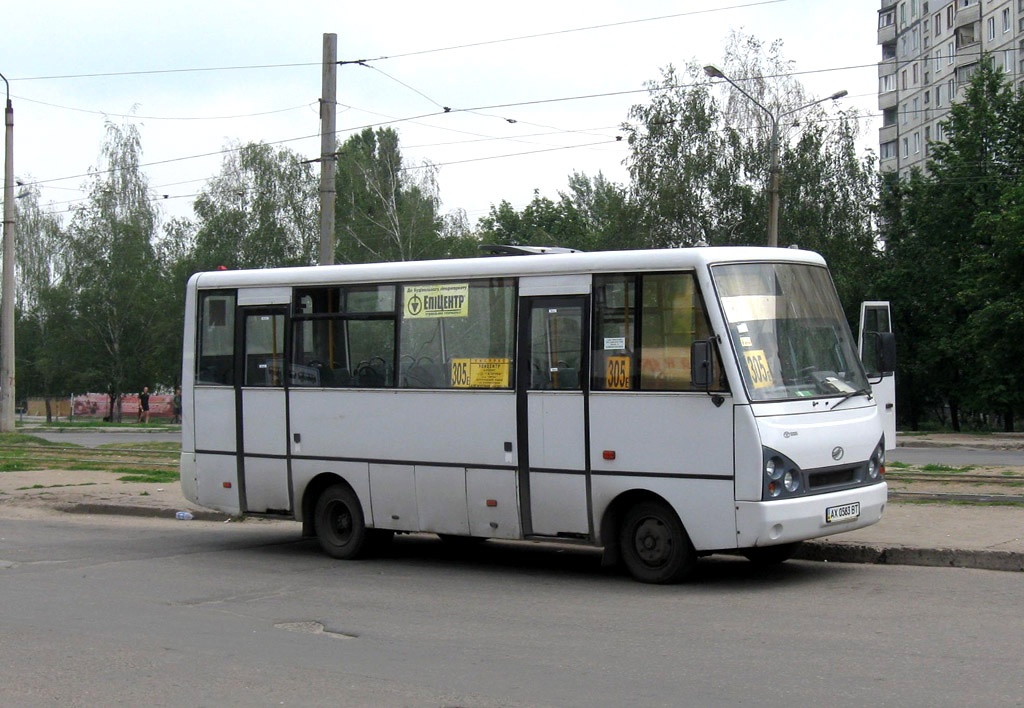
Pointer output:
328, 146
7, 399
773, 199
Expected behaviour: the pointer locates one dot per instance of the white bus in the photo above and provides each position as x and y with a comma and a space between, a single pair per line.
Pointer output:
663, 405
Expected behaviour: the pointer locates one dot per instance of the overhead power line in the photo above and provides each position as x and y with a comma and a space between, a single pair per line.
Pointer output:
144, 72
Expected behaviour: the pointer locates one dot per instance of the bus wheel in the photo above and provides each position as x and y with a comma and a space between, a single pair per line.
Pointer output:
654, 544
771, 555
339, 523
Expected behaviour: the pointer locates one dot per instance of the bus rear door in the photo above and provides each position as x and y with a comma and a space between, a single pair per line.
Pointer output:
261, 410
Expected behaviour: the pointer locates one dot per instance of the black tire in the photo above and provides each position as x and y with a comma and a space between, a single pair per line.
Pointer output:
771, 555
339, 523
654, 544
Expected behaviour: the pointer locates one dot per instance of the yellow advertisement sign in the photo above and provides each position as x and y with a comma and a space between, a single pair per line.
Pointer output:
757, 365
617, 373
481, 373
440, 300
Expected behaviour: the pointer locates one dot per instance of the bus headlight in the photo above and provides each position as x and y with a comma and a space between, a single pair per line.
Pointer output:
876, 465
782, 477
791, 481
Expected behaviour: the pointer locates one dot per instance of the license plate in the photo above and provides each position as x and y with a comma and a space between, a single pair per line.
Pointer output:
838, 514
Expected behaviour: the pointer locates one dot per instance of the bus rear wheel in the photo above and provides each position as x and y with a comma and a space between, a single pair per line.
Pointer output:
654, 544
339, 522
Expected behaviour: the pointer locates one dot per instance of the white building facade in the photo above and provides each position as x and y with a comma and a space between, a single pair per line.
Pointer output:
930, 50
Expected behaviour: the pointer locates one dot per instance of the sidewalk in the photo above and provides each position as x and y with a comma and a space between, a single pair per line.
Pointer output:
984, 537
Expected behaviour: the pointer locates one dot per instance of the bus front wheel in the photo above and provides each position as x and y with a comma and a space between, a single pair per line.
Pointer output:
654, 544
339, 522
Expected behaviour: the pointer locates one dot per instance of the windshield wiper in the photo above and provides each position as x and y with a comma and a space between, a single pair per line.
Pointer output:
851, 394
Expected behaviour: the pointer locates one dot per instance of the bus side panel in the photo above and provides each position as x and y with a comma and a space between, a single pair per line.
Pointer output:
216, 461
393, 497
682, 436
460, 428
212, 471
493, 501
748, 455
441, 499
705, 506
671, 433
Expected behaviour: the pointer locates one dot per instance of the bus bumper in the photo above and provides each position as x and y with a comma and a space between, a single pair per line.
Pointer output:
770, 523
189, 484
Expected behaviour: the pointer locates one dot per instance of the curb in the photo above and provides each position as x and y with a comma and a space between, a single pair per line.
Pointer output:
144, 511
822, 551
905, 555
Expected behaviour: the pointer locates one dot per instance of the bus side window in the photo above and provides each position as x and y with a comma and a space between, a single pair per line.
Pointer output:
614, 348
644, 325
216, 335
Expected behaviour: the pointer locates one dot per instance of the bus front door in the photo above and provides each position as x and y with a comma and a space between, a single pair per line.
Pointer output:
264, 477
554, 477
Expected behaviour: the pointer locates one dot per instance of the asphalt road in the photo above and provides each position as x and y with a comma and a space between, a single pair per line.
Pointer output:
127, 612
957, 456
95, 438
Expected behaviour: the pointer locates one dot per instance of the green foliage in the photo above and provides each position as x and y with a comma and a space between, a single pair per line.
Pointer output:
384, 210
261, 211
595, 214
955, 247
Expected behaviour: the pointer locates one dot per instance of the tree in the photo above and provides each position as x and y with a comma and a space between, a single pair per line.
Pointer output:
40, 240
595, 214
261, 211
699, 165
384, 211
953, 243
109, 281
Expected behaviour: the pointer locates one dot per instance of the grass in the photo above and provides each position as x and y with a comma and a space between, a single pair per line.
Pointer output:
947, 468
957, 502
52, 486
154, 446
26, 439
148, 476
898, 465
16, 466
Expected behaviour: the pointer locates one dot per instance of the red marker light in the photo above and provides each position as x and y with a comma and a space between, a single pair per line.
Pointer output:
608, 454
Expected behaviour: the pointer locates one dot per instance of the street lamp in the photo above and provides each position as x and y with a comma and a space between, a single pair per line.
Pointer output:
773, 203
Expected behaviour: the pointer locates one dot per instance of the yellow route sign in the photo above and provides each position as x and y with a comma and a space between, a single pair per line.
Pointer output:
617, 373
757, 365
480, 373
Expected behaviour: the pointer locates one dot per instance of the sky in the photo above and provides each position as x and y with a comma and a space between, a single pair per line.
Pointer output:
529, 110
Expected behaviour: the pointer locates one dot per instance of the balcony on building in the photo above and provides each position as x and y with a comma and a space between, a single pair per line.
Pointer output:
887, 100
966, 15
887, 24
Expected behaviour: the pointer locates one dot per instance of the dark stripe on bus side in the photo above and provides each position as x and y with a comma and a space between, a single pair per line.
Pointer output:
472, 465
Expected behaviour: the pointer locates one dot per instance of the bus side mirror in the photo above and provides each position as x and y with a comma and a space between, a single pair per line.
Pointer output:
885, 352
702, 364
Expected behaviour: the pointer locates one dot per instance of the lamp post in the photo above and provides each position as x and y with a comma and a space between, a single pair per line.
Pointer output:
7, 287
773, 176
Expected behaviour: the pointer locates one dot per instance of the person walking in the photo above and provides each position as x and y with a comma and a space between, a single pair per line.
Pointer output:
144, 405
177, 405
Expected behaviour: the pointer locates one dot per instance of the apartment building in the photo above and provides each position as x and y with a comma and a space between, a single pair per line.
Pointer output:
930, 49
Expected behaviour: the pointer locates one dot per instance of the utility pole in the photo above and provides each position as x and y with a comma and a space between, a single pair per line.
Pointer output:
7, 291
328, 147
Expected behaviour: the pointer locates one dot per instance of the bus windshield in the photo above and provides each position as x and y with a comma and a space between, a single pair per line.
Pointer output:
788, 330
